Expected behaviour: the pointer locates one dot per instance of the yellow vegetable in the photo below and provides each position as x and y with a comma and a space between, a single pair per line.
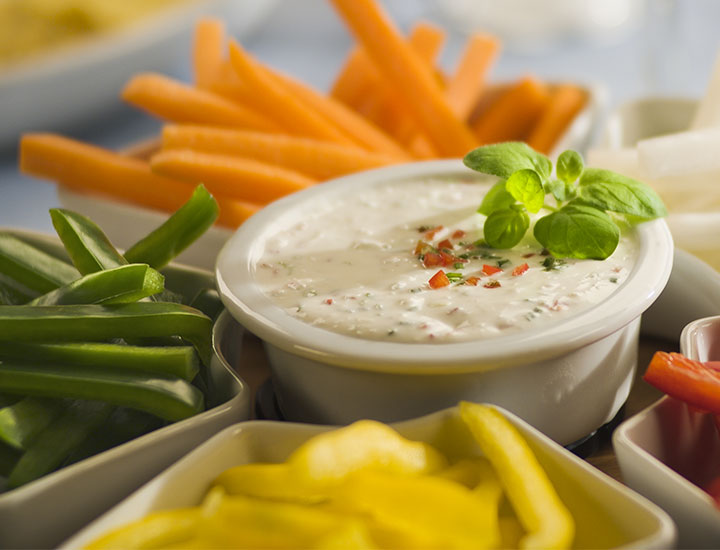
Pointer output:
545, 518
364, 445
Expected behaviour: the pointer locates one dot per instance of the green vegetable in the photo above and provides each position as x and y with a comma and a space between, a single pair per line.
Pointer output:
178, 232
52, 446
126, 283
77, 323
579, 226
33, 268
22, 421
12, 294
88, 247
208, 301
8, 458
164, 396
180, 361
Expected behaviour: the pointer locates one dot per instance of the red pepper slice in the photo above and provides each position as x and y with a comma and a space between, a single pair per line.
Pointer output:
685, 379
439, 280
490, 269
519, 270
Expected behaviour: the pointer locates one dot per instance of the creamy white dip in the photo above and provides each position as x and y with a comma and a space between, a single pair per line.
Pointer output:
352, 265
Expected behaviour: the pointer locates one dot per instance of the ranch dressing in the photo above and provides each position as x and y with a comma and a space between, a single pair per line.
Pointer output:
358, 265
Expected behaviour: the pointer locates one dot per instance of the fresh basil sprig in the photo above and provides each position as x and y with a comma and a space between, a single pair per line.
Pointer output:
579, 225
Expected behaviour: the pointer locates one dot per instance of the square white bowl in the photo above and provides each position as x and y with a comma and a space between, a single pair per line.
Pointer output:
44, 512
607, 514
668, 451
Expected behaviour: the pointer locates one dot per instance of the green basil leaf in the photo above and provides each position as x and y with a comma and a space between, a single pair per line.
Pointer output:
560, 190
505, 228
496, 198
578, 231
502, 159
569, 166
526, 187
616, 193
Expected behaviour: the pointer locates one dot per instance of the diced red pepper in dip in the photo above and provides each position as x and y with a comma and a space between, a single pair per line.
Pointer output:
492, 284
685, 379
458, 234
490, 269
432, 232
446, 244
439, 280
431, 259
472, 280
519, 270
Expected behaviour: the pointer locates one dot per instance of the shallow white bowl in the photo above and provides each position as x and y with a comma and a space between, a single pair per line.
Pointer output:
75, 83
566, 379
607, 514
46, 511
668, 451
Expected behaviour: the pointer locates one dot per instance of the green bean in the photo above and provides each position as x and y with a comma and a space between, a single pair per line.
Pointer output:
32, 267
8, 458
123, 425
53, 445
22, 421
88, 323
180, 361
164, 396
178, 232
88, 247
126, 283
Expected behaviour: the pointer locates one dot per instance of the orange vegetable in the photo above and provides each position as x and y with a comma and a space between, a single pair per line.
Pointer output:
88, 168
295, 115
406, 72
566, 102
465, 86
239, 178
172, 100
207, 51
513, 114
318, 159
439, 280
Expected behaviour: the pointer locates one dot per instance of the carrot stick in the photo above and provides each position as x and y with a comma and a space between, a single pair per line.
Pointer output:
407, 73
317, 159
465, 86
348, 121
178, 102
87, 168
512, 115
296, 117
565, 102
207, 51
236, 177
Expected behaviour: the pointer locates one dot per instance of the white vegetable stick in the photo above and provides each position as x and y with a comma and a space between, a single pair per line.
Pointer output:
708, 112
683, 153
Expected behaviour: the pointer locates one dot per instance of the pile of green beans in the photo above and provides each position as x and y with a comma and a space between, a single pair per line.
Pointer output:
92, 354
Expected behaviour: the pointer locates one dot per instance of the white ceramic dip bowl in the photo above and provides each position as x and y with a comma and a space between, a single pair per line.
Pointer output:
566, 377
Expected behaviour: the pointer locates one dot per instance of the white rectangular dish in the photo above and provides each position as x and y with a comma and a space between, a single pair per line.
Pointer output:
607, 514
46, 511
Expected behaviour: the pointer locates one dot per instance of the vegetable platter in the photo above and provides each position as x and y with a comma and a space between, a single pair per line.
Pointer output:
47, 382
605, 514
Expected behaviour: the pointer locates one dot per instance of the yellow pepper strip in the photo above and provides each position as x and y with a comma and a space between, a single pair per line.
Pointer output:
363, 445
243, 522
271, 482
157, 530
440, 511
545, 518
